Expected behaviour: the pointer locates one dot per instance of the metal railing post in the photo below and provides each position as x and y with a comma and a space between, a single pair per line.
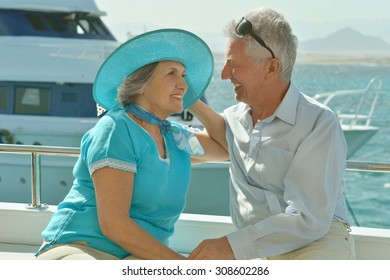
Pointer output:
36, 181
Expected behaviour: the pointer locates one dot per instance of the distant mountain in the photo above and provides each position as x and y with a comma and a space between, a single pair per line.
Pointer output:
345, 40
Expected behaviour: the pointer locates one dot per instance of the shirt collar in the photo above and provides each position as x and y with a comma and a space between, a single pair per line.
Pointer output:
287, 110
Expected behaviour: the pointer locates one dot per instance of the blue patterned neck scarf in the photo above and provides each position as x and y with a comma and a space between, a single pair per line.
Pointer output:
185, 139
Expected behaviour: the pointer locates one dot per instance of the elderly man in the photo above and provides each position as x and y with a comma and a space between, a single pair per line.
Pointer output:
287, 153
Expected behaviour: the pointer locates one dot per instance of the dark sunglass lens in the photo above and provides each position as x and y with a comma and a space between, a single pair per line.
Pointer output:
243, 27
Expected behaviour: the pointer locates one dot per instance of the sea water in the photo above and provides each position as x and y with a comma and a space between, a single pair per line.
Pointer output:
367, 193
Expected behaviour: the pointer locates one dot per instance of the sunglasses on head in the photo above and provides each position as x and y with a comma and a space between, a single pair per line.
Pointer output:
244, 27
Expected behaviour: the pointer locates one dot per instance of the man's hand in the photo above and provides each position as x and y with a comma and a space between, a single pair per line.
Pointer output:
213, 249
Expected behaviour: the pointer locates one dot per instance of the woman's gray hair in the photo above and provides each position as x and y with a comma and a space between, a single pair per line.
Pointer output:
135, 83
276, 32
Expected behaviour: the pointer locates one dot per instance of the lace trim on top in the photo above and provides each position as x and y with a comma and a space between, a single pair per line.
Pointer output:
112, 163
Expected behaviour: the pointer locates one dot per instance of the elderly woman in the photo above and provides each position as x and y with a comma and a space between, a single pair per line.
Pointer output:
134, 166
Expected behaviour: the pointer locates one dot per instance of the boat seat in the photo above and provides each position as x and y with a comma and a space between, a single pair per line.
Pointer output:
21, 239
17, 251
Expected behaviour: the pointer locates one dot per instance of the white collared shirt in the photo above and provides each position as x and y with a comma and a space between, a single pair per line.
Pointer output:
287, 174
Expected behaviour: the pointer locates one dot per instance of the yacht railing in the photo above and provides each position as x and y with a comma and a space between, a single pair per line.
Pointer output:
37, 151
361, 114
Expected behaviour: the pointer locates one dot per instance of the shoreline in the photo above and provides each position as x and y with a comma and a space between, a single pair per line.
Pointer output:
352, 58
344, 58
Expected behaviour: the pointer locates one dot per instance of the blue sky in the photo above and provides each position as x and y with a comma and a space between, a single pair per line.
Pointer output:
309, 18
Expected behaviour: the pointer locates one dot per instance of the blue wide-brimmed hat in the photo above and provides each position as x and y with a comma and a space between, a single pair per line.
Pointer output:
164, 44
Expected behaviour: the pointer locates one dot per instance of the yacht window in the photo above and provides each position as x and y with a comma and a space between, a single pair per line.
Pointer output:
30, 100
3, 98
36, 22
83, 24
54, 23
69, 97
98, 26
81, 30
86, 26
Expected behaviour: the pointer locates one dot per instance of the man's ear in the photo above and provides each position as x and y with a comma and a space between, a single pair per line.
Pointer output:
273, 68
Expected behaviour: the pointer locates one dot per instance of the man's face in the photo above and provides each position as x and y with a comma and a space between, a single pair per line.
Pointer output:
244, 74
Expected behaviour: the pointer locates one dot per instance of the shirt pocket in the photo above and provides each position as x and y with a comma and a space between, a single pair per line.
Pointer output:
270, 167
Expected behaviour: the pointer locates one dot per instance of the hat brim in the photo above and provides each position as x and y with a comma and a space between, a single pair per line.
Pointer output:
164, 44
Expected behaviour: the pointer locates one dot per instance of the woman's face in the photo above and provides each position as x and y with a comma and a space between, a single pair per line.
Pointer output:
163, 95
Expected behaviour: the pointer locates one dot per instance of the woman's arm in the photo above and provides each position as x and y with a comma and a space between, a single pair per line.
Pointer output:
114, 189
212, 150
213, 139
212, 121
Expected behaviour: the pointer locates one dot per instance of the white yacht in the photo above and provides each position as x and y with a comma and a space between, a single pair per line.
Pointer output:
50, 52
